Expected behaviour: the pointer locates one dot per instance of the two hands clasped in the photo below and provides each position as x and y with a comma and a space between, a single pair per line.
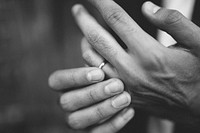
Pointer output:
146, 75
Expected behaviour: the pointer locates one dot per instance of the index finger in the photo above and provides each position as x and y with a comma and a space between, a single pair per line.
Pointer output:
126, 28
72, 78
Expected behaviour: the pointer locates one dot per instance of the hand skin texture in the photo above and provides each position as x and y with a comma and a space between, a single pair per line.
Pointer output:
164, 81
90, 103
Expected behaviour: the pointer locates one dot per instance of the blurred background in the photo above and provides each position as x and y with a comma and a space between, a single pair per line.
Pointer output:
38, 37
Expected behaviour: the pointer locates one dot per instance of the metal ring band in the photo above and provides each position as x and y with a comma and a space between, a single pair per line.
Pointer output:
102, 65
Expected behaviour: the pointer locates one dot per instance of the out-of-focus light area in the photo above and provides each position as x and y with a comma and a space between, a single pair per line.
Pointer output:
37, 37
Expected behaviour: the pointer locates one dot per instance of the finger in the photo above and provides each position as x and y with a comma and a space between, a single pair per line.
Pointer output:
90, 116
79, 98
182, 29
86, 65
92, 58
116, 123
70, 78
98, 37
127, 29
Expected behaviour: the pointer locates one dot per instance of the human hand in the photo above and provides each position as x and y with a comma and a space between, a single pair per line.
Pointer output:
162, 80
90, 101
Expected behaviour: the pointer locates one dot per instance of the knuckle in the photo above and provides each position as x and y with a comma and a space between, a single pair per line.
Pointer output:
73, 122
108, 49
128, 96
173, 17
94, 38
73, 77
92, 95
115, 16
100, 43
157, 61
100, 113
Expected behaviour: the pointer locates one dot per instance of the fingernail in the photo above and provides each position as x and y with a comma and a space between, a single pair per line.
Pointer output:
152, 7
95, 75
113, 88
128, 114
121, 101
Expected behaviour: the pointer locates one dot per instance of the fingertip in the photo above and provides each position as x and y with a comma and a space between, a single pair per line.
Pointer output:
121, 101
129, 97
129, 114
126, 115
65, 103
76, 9
143, 8
95, 75
120, 84
74, 122
114, 87
149, 8
52, 81
123, 118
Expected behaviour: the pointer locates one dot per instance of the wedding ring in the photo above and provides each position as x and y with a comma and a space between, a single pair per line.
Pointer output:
102, 65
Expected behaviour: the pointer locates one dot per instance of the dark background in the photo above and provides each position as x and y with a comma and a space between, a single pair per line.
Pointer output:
38, 37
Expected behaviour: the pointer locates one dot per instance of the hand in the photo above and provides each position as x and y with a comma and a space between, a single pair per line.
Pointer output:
88, 100
162, 80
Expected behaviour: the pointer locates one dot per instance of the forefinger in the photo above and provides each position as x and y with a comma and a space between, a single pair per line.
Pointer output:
127, 29
72, 78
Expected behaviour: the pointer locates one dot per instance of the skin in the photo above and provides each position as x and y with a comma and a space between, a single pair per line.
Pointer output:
87, 100
164, 81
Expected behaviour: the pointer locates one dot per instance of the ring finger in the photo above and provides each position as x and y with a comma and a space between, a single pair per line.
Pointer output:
92, 58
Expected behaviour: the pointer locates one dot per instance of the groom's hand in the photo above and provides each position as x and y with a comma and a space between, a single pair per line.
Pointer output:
162, 80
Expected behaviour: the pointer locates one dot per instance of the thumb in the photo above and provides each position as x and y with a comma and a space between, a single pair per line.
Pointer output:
173, 22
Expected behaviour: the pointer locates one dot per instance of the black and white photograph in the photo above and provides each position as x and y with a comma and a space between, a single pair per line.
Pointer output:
99, 66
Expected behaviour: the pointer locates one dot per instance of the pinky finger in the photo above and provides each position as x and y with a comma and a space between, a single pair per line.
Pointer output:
116, 123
